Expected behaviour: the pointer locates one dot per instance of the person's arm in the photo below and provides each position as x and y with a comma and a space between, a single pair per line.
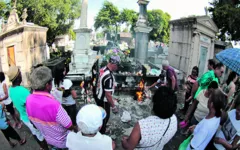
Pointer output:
231, 91
113, 145
74, 94
194, 89
191, 110
227, 145
154, 84
63, 119
109, 98
173, 79
5, 89
132, 141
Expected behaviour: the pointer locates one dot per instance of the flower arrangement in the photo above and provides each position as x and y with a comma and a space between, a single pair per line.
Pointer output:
114, 52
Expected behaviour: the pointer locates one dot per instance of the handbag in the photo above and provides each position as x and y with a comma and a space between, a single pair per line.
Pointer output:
185, 143
160, 138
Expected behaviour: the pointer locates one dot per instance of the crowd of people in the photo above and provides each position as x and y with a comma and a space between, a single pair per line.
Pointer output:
211, 111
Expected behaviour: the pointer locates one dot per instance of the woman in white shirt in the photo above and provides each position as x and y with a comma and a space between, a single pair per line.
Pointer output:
229, 135
7, 101
205, 130
153, 132
200, 105
69, 95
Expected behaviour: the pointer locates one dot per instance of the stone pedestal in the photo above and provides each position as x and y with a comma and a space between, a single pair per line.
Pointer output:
141, 43
83, 58
142, 30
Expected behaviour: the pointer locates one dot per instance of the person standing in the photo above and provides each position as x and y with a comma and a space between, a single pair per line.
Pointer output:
7, 130
229, 135
106, 89
211, 64
153, 132
8, 102
204, 131
18, 95
89, 121
170, 75
69, 94
45, 112
229, 88
204, 81
188, 86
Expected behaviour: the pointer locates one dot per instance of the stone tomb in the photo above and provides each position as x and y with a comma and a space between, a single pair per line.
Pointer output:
22, 44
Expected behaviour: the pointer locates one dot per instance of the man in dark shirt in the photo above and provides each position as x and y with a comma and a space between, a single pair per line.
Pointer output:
170, 75
106, 89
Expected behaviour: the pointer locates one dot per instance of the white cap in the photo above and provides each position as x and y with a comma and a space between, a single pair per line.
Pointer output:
90, 118
67, 84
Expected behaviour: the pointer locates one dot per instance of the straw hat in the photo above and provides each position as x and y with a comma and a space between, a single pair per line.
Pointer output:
13, 72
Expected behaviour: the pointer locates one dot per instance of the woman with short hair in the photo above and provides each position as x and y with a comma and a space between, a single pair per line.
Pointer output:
153, 132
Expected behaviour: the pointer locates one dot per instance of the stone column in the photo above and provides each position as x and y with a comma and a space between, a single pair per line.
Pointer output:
81, 50
142, 33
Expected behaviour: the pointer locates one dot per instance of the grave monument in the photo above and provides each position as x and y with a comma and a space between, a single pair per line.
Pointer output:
83, 58
142, 33
22, 44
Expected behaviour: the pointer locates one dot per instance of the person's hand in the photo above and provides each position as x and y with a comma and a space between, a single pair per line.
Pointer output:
192, 128
115, 109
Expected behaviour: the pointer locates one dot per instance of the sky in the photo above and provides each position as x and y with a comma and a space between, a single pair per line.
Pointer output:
176, 8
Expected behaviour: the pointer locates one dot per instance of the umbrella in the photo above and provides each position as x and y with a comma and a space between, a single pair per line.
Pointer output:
230, 58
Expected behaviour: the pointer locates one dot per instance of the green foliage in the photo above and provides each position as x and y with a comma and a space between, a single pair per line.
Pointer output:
100, 35
225, 14
4, 7
108, 16
72, 34
125, 30
159, 21
57, 15
110, 19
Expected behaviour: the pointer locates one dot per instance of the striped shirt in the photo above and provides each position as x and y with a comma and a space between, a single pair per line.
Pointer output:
107, 81
49, 117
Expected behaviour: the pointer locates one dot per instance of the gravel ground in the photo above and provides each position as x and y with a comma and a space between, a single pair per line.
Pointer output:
116, 128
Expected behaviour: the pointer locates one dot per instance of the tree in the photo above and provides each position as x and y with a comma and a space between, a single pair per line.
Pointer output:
129, 17
4, 7
108, 17
225, 13
57, 15
159, 21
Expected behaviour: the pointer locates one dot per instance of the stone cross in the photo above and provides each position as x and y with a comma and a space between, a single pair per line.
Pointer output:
83, 23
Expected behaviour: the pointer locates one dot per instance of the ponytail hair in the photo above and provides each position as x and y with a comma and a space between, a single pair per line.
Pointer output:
219, 100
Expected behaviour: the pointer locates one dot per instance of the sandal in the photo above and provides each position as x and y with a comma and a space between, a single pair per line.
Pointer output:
22, 142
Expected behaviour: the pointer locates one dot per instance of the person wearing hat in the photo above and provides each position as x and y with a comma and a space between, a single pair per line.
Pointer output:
89, 121
106, 89
18, 95
47, 113
69, 94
